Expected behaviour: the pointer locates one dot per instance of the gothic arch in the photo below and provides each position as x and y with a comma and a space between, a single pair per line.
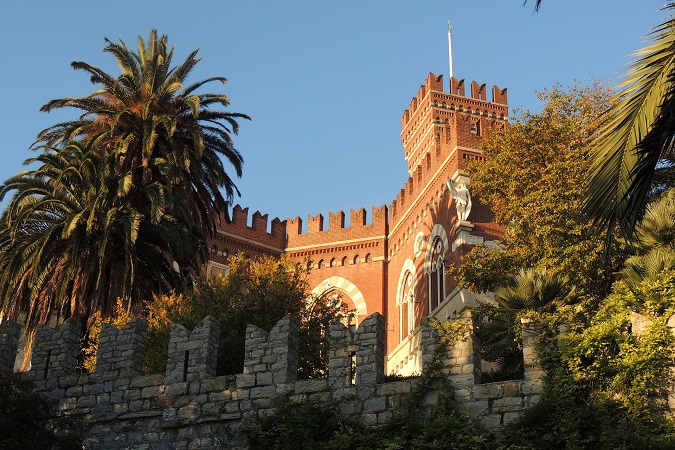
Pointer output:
408, 266
405, 302
349, 288
438, 232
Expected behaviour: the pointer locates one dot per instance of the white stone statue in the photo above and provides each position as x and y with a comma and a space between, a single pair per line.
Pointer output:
462, 198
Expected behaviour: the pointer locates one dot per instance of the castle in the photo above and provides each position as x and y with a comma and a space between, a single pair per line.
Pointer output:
394, 262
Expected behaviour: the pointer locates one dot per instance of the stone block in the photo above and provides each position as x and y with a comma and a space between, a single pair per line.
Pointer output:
396, 387
262, 392
86, 401
350, 407
511, 416
491, 421
152, 391
264, 379
489, 390
475, 409
528, 387
189, 411
219, 396
245, 380
307, 386
176, 389
74, 391
376, 404
511, 388
136, 405
369, 418
147, 380
507, 404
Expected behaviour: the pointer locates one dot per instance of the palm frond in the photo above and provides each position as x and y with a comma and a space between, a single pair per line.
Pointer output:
636, 133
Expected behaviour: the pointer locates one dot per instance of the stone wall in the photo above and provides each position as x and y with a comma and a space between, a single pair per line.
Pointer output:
190, 407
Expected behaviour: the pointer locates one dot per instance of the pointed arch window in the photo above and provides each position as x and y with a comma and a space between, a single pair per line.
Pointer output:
406, 307
436, 280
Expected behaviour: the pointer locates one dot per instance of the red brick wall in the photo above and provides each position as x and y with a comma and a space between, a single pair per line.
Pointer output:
441, 131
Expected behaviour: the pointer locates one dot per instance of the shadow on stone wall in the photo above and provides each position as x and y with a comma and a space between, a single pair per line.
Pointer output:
189, 407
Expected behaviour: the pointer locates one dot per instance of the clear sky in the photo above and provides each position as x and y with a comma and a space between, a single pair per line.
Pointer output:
325, 82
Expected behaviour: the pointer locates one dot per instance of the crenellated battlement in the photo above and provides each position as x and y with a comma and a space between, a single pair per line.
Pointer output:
259, 222
336, 229
254, 240
432, 90
189, 406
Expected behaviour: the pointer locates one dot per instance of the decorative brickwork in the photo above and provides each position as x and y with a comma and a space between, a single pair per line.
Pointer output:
440, 132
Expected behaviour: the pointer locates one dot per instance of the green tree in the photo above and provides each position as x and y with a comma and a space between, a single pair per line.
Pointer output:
160, 129
25, 422
530, 291
258, 292
655, 237
124, 196
73, 241
534, 178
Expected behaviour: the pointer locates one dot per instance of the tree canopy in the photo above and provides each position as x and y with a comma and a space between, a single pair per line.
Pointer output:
534, 178
123, 197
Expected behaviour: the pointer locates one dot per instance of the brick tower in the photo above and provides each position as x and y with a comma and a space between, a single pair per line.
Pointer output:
440, 132
394, 262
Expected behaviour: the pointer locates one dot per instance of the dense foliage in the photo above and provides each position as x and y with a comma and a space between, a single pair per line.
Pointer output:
25, 422
259, 292
534, 178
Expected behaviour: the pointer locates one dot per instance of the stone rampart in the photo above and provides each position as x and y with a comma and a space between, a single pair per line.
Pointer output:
190, 407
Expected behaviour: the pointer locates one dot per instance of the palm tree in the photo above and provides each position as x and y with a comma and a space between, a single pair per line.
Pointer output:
637, 136
535, 290
161, 128
655, 241
73, 241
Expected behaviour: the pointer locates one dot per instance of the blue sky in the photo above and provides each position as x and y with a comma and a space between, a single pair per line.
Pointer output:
325, 82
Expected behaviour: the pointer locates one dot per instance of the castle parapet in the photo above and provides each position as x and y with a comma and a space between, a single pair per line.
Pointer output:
120, 352
193, 356
259, 222
188, 405
456, 93
55, 352
478, 91
271, 358
318, 233
254, 239
357, 359
9, 344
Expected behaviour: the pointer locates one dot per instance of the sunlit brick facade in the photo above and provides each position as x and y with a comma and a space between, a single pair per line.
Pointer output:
392, 259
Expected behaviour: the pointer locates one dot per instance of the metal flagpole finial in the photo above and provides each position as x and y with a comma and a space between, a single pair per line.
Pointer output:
450, 47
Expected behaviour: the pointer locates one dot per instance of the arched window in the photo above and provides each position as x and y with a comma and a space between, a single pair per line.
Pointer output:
437, 275
321, 264
344, 261
406, 307
356, 259
369, 258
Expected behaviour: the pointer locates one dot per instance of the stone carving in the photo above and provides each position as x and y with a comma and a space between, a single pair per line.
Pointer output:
462, 197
